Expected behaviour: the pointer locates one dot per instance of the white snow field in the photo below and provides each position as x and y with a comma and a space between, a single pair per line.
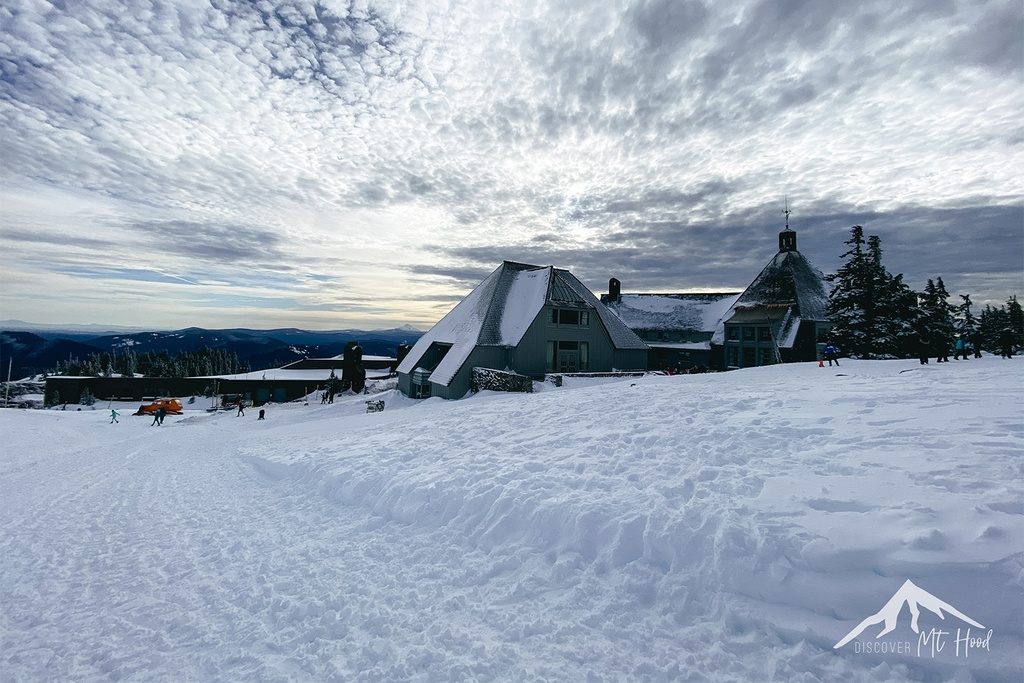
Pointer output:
721, 527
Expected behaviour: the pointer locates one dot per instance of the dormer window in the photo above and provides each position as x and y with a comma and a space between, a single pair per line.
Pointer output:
572, 317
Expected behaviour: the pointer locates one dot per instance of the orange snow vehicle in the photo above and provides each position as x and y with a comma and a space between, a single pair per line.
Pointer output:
171, 405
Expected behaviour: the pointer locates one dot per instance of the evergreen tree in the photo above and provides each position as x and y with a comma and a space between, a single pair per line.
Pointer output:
847, 302
989, 326
1015, 321
966, 323
333, 384
891, 306
86, 399
902, 312
937, 327
872, 311
994, 321
130, 363
202, 362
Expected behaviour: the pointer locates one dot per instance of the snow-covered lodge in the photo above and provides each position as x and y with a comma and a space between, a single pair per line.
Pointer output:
534, 320
781, 317
530, 320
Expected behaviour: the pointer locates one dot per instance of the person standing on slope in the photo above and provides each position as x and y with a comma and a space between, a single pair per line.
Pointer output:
976, 342
241, 408
831, 353
113, 416
1006, 343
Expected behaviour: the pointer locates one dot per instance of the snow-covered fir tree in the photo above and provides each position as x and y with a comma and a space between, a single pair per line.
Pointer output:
966, 323
893, 308
994, 321
872, 311
1015, 315
847, 302
937, 327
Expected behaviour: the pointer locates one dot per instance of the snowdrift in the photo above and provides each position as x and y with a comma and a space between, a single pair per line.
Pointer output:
699, 527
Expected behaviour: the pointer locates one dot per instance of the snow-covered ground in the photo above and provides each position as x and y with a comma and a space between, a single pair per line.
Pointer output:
724, 527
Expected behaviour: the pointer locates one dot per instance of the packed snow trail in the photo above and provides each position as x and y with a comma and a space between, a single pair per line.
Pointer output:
720, 527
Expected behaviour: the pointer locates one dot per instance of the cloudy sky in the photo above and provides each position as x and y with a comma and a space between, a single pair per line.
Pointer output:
332, 163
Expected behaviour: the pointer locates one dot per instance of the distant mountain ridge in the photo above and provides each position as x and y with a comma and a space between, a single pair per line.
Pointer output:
40, 350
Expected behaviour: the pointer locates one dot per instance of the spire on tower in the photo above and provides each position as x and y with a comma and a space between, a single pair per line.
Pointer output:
787, 238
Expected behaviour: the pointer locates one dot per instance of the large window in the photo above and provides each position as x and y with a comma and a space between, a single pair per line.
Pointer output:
570, 316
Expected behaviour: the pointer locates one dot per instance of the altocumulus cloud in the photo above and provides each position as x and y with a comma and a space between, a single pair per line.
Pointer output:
380, 157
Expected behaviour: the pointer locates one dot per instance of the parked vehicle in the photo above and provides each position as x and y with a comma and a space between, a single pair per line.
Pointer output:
171, 405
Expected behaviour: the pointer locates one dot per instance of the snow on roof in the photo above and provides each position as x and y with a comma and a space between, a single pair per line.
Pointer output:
672, 311
460, 329
499, 312
790, 279
515, 310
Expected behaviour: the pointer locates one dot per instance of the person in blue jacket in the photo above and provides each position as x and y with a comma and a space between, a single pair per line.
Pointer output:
831, 353
960, 349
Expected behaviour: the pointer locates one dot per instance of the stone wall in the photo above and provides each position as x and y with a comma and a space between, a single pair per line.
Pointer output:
499, 380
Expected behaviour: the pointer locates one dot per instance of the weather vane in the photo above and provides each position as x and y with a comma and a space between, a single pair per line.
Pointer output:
787, 212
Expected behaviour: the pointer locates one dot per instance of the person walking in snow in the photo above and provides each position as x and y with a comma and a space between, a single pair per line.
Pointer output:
262, 414
156, 417
831, 353
960, 348
113, 416
976, 342
922, 347
1006, 343
241, 409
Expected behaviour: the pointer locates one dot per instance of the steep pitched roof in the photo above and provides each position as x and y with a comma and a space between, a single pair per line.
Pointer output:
622, 337
500, 310
789, 280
